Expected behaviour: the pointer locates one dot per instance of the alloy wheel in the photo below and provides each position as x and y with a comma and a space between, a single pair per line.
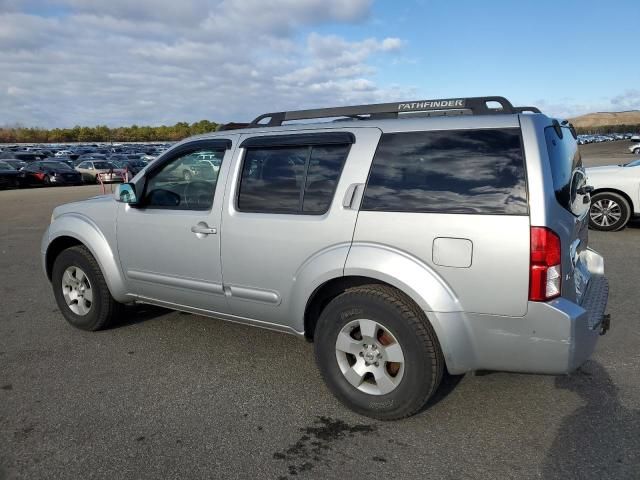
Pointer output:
605, 212
76, 290
370, 357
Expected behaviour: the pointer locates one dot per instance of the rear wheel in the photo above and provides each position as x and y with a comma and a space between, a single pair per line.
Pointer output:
46, 180
81, 292
609, 212
378, 353
636, 151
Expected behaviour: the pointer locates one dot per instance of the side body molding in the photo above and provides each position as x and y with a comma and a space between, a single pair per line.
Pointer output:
86, 231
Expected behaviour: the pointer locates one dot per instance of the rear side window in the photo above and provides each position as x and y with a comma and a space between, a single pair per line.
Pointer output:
295, 180
566, 169
461, 171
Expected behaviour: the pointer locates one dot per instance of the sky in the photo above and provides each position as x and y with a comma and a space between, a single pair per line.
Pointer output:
153, 62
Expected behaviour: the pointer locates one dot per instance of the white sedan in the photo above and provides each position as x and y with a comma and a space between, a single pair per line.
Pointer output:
616, 195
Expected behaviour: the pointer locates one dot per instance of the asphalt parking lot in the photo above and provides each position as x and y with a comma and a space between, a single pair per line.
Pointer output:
171, 395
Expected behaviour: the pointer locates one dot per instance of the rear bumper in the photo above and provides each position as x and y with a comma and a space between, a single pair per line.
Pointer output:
555, 337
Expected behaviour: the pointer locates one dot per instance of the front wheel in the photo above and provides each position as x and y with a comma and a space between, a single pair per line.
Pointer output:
636, 151
378, 353
81, 292
608, 212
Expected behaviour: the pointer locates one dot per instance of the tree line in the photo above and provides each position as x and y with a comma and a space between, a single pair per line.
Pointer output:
102, 133
169, 133
606, 129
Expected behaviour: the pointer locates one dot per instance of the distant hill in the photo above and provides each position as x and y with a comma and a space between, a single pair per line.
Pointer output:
606, 119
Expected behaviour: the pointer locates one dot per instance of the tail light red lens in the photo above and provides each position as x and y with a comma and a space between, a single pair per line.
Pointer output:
545, 276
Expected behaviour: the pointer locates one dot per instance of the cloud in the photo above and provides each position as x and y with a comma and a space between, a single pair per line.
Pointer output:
569, 107
162, 61
629, 100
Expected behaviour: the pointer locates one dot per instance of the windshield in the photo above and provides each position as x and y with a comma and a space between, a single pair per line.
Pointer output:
6, 166
56, 165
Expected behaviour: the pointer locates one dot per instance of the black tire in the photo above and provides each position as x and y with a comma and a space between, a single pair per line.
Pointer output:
625, 212
636, 151
104, 309
424, 362
46, 180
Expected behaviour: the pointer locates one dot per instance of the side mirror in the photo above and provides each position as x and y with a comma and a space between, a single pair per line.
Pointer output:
126, 193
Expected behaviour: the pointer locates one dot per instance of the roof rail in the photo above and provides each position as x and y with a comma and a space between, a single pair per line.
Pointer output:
527, 109
476, 105
231, 126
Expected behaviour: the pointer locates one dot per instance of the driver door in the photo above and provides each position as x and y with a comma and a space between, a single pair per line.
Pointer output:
169, 243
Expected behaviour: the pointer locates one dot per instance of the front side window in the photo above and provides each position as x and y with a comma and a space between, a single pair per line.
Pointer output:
294, 180
459, 171
182, 184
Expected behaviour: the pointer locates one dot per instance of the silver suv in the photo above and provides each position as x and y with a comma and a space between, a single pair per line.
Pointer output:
403, 240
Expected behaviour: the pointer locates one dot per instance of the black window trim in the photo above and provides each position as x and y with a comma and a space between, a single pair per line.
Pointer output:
236, 200
299, 140
524, 165
173, 154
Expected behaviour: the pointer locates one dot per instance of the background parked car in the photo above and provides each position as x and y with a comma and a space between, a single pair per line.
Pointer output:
9, 176
132, 166
17, 164
635, 148
24, 156
94, 171
49, 173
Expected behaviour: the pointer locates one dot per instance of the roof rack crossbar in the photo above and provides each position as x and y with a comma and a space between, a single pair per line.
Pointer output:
477, 105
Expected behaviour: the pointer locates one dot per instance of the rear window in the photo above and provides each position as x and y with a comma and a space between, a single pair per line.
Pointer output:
566, 167
461, 171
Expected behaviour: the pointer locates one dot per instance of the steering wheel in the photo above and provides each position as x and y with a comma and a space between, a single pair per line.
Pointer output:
198, 193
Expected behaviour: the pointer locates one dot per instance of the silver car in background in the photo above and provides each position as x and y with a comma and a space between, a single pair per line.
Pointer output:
405, 242
96, 171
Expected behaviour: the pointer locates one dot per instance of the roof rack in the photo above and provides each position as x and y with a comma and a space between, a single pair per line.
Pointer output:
475, 105
231, 126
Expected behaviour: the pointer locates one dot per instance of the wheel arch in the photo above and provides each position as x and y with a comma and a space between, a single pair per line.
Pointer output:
74, 229
451, 330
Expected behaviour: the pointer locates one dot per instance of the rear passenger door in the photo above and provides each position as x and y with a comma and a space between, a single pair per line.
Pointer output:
284, 210
455, 200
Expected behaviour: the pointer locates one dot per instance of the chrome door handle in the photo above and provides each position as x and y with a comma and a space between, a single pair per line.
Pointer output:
203, 229
351, 195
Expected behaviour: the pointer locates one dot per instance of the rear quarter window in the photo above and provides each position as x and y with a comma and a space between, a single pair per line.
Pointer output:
566, 169
461, 171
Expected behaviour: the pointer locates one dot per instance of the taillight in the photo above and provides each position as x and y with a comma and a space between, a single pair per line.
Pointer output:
545, 276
